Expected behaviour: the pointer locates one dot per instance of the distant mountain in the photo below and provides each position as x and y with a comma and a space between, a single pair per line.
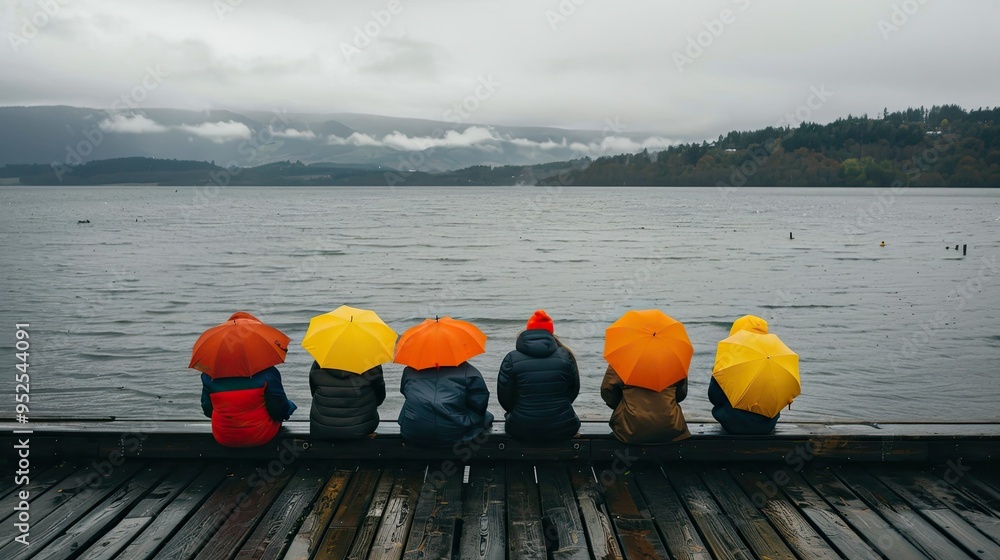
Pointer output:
71, 136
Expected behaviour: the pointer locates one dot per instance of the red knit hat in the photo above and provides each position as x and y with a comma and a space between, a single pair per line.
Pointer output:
540, 320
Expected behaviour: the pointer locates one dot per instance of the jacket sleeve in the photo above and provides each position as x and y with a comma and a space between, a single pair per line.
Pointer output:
312, 384
716, 395
277, 404
574, 387
682, 389
611, 388
477, 396
507, 385
206, 398
378, 384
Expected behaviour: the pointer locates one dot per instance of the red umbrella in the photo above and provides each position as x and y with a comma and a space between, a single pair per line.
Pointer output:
240, 347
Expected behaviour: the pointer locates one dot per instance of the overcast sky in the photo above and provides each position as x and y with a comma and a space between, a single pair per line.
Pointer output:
685, 69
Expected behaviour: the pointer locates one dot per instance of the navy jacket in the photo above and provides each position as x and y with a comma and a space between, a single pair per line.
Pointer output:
443, 406
734, 420
344, 404
278, 406
537, 385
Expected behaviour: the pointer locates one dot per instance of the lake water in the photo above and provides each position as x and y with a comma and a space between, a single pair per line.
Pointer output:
905, 332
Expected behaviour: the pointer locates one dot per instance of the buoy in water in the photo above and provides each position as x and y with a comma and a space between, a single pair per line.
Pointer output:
790, 235
882, 244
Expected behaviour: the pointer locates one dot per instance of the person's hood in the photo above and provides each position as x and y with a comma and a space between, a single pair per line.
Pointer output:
750, 323
537, 343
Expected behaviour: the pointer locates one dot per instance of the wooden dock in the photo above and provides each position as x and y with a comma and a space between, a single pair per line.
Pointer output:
141, 497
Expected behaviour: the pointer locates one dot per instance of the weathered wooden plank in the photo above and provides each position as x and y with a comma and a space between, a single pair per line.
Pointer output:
310, 535
103, 516
632, 519
85, 492
976, 490
351, 514
37, 485
790, 523
875, 530
438, 511
390, 539
238, 526
718, 532
269, 540
47, 499
822, 515
921, 533
561, 514
484, 531
365, 532
117, 537
594, 515
679, 533
210, 516
919, 491
524, 514
167, 521
755, 529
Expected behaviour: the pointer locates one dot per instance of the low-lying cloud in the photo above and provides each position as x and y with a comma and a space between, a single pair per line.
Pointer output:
487, 139
218, 132
131, 124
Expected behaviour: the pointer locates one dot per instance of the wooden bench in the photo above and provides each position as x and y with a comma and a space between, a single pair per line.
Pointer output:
846, 442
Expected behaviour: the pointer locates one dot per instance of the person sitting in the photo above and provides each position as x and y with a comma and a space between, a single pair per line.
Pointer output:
734, 420
443, 406
538, 383
344, 404
245, 411
642, 416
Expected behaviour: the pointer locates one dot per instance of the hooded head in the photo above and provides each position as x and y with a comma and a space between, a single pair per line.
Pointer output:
750, 323
540, 320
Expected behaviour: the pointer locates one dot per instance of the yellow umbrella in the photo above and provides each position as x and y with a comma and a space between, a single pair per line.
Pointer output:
350, 339
757, 372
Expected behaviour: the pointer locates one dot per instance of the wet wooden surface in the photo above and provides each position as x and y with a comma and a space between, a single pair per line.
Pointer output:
308, 509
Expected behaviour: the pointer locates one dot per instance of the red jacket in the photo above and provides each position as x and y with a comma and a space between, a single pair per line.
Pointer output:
240, 419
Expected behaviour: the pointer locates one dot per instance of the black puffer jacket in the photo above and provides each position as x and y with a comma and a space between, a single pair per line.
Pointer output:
537, 385
443, 406
344, 404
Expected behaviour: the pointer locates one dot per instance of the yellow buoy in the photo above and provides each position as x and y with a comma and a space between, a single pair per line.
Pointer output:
883, 244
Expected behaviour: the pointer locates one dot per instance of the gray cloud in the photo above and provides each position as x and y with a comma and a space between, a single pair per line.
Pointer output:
559, 66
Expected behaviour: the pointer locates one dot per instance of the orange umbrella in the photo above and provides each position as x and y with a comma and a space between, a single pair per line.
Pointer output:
648, 349
439, 342
240, 347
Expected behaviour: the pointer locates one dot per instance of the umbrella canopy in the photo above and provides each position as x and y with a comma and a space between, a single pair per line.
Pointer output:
349, 339
240, 347
439, 342
648, 349
757, 372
